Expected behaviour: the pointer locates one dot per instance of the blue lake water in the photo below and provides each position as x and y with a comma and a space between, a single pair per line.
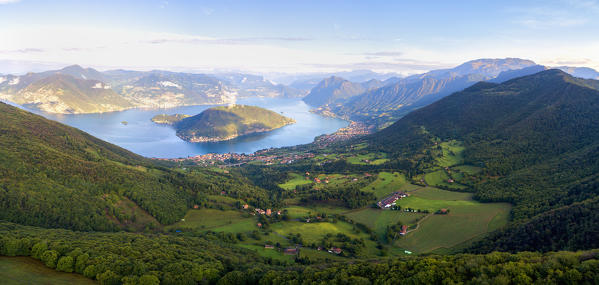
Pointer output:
146, 138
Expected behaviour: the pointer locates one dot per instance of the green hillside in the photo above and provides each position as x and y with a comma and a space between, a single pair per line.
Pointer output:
168, 119
52, 175
228, 122
536, 138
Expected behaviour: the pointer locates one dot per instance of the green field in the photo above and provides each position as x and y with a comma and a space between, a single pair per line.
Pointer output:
378, 220
452, 154
295, 212
212, 219
466, 220
25, 270
296, 179
468, 169
272, 253
368, 159
440, 178
385, 184
314, 232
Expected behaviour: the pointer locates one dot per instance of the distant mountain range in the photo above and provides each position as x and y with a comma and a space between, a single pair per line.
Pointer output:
399, 96
361, 95
75, 90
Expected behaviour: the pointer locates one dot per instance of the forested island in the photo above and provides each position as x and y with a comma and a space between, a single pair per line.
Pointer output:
224, 123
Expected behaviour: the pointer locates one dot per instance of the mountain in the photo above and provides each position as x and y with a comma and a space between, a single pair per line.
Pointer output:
83, 73
400, 96
582, 72
536, 137
56, 176
65, 94
169, 89
128, 89
335, 88
515, 73
228, 122
310, 80
249, 85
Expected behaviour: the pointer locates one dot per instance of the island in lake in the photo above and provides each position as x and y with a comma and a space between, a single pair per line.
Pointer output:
165, 119
224, 123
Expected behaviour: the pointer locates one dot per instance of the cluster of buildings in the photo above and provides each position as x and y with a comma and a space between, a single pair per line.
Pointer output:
267, 212
236, 159
354, 129
391, 200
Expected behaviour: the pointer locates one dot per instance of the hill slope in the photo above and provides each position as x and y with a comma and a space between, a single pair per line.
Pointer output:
225, 123
52, 175
536, 136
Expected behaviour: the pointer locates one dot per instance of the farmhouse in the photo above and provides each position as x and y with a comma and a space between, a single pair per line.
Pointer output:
335, 250
391, 200
269, 246
290, 251
404, 230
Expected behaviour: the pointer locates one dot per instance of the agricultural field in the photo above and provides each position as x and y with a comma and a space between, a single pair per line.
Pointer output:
440, 178
386, 183
466, 220
295, 212
296, 179
452, 154
264, 252
314, 232
212, 219
368, 159
378, 220
25, 270
468, 169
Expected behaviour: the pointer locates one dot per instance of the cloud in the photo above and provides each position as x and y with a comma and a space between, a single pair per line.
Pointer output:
225, 41
583, 61
8, 1
23, 50
548, 23
403, 65
384, 54
207, 11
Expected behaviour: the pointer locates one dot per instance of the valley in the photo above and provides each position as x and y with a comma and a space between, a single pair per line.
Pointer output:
430, 186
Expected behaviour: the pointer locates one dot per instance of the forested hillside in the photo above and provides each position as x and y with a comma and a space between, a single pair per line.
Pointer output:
52, 175
535, 136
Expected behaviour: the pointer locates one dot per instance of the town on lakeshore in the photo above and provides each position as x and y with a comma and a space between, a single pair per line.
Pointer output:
270, 157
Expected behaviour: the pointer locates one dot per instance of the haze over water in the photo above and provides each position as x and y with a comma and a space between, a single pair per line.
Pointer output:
142, 136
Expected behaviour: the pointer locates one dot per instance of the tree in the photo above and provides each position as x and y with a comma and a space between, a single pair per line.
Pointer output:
49, 257
109, 278
65, 264
149, 280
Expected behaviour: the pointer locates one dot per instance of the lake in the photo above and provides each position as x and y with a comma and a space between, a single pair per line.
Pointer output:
142, 136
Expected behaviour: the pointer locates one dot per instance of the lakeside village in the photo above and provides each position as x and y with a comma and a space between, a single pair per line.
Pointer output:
265, 156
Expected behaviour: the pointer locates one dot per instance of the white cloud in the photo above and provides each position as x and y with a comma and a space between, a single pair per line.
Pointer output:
8, 1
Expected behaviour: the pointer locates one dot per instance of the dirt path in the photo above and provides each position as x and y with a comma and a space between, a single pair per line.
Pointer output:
418, 223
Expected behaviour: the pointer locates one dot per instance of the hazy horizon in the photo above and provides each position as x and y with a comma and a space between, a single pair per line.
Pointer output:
269, 37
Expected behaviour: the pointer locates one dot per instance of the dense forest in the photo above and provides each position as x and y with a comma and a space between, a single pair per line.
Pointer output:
61, 177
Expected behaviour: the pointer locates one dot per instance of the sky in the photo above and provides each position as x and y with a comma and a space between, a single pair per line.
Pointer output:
284, 36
